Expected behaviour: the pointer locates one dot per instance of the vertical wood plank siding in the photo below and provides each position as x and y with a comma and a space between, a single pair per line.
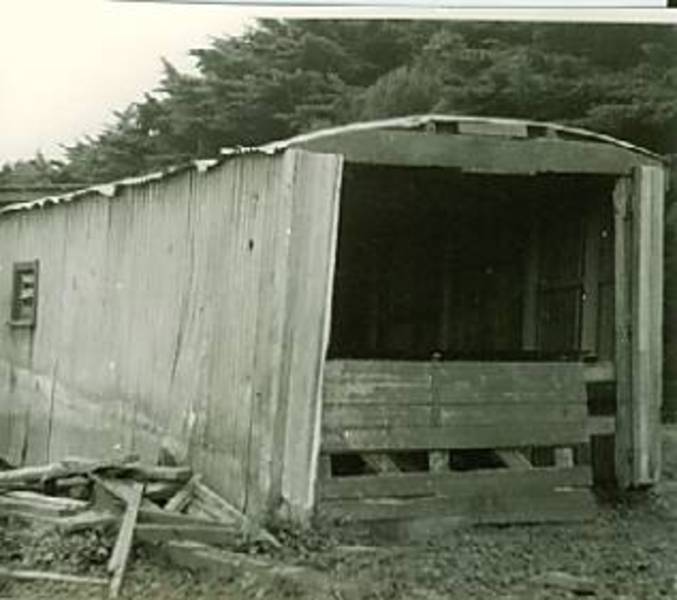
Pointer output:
179, 312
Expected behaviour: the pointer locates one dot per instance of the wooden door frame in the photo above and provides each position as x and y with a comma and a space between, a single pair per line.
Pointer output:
638, 259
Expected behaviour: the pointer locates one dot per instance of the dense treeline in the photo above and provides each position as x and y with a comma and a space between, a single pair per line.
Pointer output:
285, 77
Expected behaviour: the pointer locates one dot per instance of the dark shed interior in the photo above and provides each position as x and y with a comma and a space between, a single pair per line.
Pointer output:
435, 262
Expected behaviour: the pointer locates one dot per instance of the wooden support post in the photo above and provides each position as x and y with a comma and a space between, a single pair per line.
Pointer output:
639, 323
438, 461
647, 318
622, 239
324, 467
564, 457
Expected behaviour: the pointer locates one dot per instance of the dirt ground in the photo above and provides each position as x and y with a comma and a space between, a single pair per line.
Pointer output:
628, 551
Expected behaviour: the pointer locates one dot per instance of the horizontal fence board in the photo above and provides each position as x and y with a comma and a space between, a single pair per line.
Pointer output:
379, 369
356, 416
507, 398
404, 485
401, 382
363, 393
564, 381
502, 435
504, 414
503, 506
377, 381
337, 416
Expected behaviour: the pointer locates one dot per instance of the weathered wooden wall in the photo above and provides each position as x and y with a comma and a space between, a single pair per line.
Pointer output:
178, 312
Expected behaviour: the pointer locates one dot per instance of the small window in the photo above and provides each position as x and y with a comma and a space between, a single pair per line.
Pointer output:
24, 294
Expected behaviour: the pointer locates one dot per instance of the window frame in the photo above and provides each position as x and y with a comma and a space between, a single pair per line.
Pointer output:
17, 318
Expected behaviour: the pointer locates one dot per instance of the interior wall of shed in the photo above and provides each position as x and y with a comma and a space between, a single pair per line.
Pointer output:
432, 261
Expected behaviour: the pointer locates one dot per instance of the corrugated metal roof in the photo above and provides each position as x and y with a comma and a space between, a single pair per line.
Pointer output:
423, 121
109, 190
407, 123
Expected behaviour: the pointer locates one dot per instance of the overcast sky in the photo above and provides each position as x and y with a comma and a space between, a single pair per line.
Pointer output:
66, 65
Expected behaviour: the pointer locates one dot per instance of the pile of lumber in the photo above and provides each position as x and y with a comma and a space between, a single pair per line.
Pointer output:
169, 506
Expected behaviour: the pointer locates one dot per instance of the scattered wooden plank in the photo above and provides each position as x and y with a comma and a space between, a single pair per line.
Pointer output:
223, 563
212, 504
77, 467
42, 473
482, 481
159, 491
182, 498
28, 575
207, 500
206, 534
173, 518
33, 502
146, 473
118, 560
87, 519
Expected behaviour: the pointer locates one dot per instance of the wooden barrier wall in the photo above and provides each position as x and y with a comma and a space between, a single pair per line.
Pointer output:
482, 426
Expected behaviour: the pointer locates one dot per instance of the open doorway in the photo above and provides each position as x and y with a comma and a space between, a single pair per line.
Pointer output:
435, 263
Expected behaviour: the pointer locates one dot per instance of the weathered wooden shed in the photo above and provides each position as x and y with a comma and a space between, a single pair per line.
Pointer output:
430, 315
